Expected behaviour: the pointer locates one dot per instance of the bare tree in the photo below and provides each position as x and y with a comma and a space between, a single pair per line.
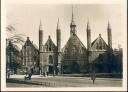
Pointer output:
16, 39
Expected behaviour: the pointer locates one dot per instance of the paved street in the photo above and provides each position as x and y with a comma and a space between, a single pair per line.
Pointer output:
59, 81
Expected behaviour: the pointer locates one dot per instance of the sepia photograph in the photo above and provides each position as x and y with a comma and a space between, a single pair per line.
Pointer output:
57, 45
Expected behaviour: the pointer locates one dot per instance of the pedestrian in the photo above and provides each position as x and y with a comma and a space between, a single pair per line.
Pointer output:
47, 73
30, 75
8, 74
26, 77
44, 74
93, 77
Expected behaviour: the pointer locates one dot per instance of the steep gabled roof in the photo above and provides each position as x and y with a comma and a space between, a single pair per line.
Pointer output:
97, 40
31, 43
94, 41
49, 41
72, 37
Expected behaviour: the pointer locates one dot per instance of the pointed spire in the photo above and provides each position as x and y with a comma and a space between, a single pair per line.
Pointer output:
58, 25
40, 26
88, 26
72, 22
109, 25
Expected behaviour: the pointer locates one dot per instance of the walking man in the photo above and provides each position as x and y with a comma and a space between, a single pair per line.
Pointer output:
93, 77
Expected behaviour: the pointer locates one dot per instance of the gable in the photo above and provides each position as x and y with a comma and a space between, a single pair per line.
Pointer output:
31, 44
99, 44
49, 45
74, 45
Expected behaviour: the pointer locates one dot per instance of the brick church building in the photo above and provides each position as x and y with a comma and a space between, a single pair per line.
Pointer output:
74, 57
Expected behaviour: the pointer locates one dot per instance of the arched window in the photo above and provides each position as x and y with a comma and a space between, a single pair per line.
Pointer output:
74, 51
50, 47
50, 60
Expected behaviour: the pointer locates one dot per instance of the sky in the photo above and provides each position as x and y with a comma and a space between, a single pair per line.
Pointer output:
26, 19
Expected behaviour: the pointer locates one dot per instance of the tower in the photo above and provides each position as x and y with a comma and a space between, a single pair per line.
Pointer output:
41, 47
109, 35
58, 31
88, 36
72, 25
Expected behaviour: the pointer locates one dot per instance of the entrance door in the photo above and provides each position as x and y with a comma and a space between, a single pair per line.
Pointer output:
50, 71
75, 68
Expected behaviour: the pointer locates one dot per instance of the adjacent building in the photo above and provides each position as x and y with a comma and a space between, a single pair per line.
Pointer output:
29, 57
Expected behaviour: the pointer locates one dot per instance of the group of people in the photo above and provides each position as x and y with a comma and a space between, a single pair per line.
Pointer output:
28, 74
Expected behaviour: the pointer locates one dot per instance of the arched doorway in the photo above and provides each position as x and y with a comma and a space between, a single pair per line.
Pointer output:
50, 69
99, 65
75, 68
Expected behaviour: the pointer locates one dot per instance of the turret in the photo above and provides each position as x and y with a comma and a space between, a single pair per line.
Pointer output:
41, 48
40, 37
88, 36
58, 33
109, 35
